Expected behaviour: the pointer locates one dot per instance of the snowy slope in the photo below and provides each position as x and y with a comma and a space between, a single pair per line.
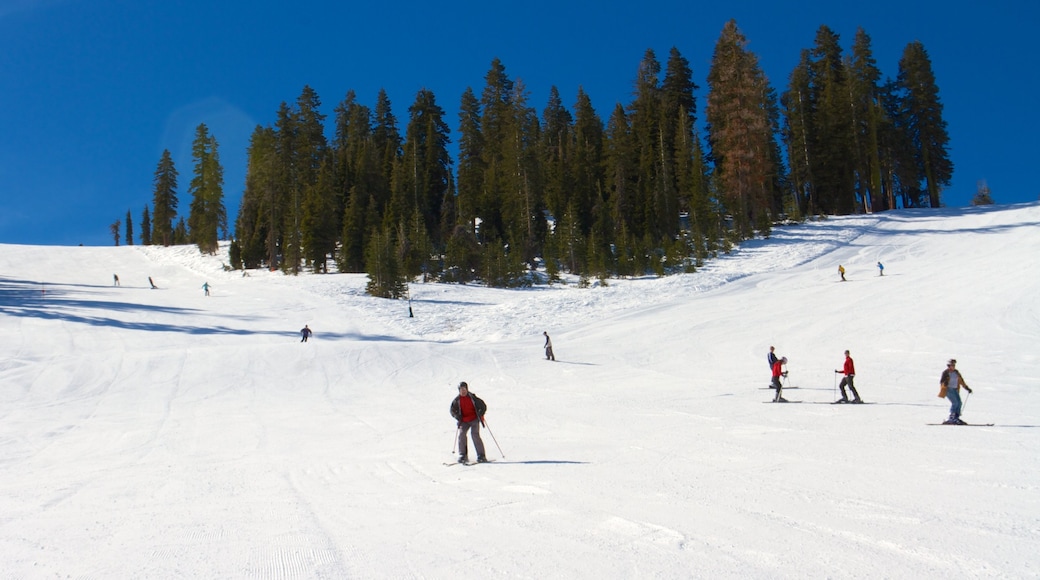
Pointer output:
163, 434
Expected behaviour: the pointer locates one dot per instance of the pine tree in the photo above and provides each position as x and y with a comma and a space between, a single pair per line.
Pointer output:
146, 228
982, 194
587, 178
208, 215
471, 165
498, 177
866, 119
129, 229
556, 145
164, 200
926, 126
385, 273
740, 132
832, 152
355, 177
319, 220
798, 133
644, 115
621, 178
422, 176
258, 226
114, 229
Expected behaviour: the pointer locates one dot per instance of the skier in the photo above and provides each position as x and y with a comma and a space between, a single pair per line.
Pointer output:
205, 287
468, 411
306, 332
548, 347
154, 287
777, 373
880, 269
841, 270
849, 370
771, 359
952, 378
115, 279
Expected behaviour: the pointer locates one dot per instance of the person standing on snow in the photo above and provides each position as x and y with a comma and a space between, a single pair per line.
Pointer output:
880, 269
205, 287
468, 411
771, 359
841, 270
849, 370
548, 347
777, 373
115, 279
949, 386
306, 332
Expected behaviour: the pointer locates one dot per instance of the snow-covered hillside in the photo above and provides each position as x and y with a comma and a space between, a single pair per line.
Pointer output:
168, 434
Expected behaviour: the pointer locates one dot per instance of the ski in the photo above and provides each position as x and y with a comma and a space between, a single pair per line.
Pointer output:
468, 463
774, 388
782, 402
839, 402
964, 424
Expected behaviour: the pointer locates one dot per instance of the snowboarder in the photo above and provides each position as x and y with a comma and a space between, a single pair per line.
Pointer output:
548, 347
849, 370
205, 287
152, 284
468, 411
115, 279
880, 269
306, 332
777, 373
841, 270
950, 384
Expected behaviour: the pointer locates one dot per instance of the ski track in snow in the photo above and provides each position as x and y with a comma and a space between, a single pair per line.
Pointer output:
162, 433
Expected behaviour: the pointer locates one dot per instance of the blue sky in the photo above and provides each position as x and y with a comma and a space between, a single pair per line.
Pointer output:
91, 92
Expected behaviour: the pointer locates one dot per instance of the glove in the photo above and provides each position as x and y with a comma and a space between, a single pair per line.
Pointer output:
784, 373
966, 388
837, 371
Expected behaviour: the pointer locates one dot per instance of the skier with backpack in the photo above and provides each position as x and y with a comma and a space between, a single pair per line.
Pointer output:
468, 411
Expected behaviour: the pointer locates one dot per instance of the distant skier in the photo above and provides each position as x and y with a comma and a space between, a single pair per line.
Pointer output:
880, 269
468, 411
306, 332
115, 279
841, 270
777, 373
548, 347
771, 357
152, 284
205, 288
849, 370
949, 386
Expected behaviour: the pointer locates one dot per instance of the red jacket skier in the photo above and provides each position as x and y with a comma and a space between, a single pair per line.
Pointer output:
849, 370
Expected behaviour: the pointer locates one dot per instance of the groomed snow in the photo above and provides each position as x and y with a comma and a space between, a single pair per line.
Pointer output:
166, 434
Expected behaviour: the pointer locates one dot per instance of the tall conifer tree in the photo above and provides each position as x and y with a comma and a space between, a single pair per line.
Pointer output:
926, 126
164, 200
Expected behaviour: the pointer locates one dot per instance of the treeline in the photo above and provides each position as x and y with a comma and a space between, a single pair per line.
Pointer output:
637, 191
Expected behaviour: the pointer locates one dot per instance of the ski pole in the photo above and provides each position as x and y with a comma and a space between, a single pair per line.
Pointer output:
835, 385
965, 403
455, 443
484, 421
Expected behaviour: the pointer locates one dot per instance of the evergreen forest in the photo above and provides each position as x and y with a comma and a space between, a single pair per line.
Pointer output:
634, 190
